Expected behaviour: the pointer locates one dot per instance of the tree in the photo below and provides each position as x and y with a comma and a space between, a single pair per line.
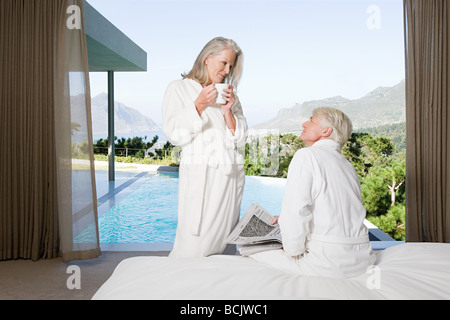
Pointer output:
101, 146
375, 195
270, 154
289, 145
393, 222
396, 170
135, 146
365, 151
382, 176
74, 126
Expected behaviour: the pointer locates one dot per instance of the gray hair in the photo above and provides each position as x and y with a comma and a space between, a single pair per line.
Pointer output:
215, 47
336, 119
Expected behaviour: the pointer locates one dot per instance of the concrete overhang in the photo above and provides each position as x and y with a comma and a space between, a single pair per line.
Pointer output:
109, 49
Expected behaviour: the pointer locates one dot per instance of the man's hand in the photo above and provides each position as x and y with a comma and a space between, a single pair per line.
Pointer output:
275, 220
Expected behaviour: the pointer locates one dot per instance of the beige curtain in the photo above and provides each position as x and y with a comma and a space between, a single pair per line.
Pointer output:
427, 39
47, 182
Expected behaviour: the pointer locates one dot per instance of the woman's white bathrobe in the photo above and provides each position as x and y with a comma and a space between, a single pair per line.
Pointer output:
322, 216
211, 173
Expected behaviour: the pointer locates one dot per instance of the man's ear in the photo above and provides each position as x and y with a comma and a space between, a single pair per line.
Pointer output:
327, 132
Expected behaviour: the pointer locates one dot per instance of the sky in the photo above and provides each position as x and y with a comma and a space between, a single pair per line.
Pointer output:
294, 50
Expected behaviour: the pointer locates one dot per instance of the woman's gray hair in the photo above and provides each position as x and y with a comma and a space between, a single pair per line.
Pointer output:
214, 47
336, 119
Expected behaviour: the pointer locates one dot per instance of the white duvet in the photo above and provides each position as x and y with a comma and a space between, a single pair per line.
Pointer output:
406, 271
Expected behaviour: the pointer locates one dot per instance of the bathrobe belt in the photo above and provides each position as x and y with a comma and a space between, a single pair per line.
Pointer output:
338, 240
199, 183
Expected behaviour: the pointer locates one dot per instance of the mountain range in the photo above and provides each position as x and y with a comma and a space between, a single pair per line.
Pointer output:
384, 105
127, 121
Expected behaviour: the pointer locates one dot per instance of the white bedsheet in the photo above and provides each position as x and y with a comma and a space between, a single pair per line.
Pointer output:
406, 271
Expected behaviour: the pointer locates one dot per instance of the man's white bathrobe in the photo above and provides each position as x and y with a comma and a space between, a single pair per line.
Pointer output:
322, 217
211, 173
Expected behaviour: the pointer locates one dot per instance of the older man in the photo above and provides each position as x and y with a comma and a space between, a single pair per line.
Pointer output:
322, 216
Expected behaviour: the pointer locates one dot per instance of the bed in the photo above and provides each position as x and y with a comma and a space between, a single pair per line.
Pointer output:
405, 271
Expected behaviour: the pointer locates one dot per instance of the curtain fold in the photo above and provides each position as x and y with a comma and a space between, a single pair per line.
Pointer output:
427, 37
47, 182
77, 198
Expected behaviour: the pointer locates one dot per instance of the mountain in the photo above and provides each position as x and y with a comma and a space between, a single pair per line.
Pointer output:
384, 105
126, 120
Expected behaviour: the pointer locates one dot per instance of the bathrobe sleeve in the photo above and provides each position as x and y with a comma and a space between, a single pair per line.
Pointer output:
298, 197
240, 134
181, 121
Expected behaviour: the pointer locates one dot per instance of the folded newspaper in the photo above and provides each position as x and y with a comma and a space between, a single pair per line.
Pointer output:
255, 233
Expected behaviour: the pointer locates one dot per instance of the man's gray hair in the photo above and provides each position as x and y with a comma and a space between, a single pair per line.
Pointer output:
335, 118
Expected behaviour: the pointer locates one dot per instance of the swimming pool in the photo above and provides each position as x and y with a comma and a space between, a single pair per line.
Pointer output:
149, 213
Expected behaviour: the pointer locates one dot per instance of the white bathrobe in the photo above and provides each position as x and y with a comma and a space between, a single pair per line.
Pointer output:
211, 175
322, 217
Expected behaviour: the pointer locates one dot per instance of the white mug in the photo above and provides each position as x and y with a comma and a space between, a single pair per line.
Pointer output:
219, 88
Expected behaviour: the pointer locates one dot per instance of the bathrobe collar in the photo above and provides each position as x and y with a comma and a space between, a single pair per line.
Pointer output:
327, 143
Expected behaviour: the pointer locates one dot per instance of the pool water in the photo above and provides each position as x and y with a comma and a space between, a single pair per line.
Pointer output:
149, 214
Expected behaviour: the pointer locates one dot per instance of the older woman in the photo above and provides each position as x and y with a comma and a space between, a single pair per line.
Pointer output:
211, 175
322, 216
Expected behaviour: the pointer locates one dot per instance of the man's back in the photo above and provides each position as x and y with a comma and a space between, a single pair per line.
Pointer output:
323, 216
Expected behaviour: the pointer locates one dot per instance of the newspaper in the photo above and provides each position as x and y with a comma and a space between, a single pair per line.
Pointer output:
255, 233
